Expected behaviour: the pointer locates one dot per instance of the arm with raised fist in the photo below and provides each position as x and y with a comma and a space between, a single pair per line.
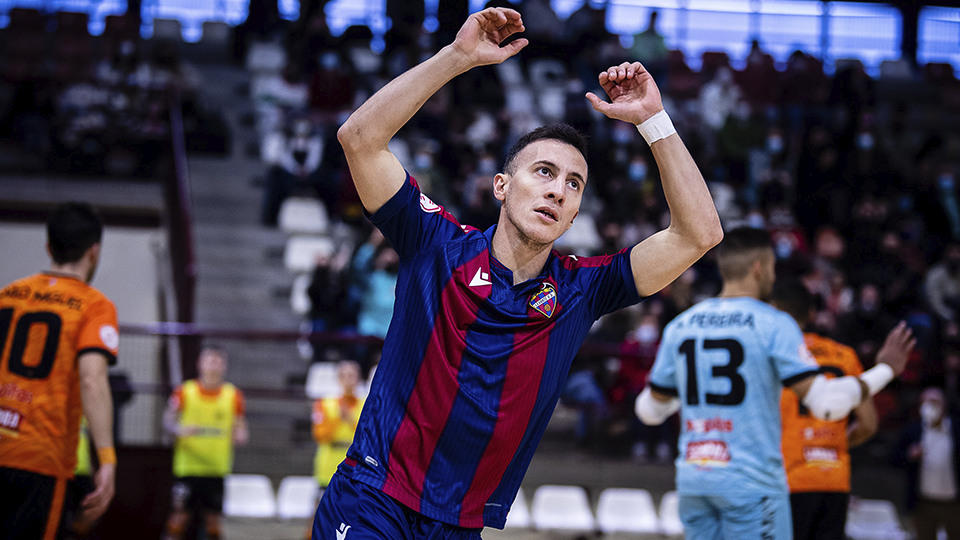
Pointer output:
377, 173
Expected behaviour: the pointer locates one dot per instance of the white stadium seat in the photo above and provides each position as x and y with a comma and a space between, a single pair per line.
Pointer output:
300, 253
249, 495
303, 215
299, 299
627, 510
322, 380
873, 519
264, 57
670, 524
562, 507
519, 516
297, 497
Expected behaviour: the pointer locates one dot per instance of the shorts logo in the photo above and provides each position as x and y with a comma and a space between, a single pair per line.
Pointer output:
342, 531
429, 206
371, 461
109, 337
545, 300
708, 453
10, 422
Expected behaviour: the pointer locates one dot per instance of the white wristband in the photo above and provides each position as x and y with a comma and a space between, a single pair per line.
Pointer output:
877, 377
658, 126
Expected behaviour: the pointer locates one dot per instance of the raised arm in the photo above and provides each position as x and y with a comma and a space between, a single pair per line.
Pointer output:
376, 172
694, 224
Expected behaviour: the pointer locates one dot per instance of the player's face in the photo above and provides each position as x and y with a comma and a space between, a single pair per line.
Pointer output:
212, 366
349, 376
542, 197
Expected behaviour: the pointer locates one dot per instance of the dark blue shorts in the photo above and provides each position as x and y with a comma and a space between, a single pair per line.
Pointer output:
352, 510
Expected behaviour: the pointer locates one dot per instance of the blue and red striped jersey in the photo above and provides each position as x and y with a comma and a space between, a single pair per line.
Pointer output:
473, 365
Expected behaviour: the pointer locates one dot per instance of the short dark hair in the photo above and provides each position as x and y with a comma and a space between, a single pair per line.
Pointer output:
793, 297
560, 132
72, 228
739, 249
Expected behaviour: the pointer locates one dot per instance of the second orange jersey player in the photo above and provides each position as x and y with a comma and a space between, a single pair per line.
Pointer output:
815, 452
57, 337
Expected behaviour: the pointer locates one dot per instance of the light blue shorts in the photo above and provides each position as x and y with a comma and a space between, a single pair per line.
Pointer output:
736, 517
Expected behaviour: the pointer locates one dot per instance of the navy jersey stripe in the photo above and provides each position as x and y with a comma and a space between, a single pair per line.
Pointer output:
517, 402
431, 402
464, 441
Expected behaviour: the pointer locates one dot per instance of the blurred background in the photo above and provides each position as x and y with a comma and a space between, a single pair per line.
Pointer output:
205, 132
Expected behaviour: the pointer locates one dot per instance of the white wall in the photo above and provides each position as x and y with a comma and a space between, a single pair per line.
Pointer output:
128, 275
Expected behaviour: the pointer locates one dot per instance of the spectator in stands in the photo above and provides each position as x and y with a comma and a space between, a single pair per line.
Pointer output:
294, 158
719, 99
930, 452
332, 89
206, 415
942, 285
863, 327
650, 49
375, 268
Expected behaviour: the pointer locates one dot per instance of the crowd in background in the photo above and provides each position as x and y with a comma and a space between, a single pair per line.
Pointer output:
74, 103
854, 177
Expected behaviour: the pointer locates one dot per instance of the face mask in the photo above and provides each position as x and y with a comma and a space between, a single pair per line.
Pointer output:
423, 161
930, 412
945, 181
647, 333
784, 248
329, 61
755, 221
621, 136
865, 141
637, 171
775, 144
487, 166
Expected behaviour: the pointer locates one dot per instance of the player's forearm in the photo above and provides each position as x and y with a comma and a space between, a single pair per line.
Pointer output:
96, 399
372, 125
692, 212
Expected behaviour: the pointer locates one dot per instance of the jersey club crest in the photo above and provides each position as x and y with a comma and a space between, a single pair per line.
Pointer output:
545, 300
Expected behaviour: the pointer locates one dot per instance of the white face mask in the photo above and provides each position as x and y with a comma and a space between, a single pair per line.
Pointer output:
647, 333
930, 413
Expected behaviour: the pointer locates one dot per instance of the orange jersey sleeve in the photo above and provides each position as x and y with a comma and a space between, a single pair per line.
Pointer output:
241, 403
46, 322
815, 452
176, 398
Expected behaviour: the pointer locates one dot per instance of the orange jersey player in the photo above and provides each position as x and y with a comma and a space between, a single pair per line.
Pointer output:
57, 337
815, 452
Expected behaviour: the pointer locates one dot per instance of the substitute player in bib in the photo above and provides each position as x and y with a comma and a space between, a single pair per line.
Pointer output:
57, 337
722, 364
486, 323
206, 415
815, 452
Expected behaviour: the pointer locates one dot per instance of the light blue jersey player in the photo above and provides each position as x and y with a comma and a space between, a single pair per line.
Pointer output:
723, 363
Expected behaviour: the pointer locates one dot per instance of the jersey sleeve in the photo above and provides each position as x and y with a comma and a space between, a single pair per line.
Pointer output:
98, 331
663, 374
851, 363
240, 403
607, 281
176, 399
788, 351
412, 222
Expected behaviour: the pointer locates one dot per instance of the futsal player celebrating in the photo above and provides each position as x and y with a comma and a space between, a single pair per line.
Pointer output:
486, 323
